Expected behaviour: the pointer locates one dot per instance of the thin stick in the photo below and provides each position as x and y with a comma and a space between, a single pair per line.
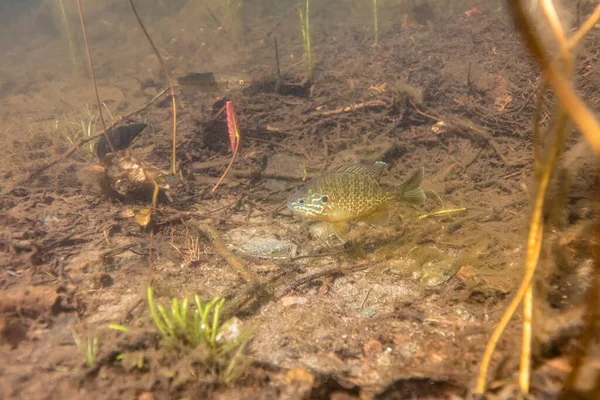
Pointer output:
375, 22
164, 67
232, 260
341, 110
278, 70
587, 26
214, 17
441, 212
89, 54
330, 272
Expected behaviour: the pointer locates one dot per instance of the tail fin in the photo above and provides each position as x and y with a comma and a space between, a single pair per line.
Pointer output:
410, 192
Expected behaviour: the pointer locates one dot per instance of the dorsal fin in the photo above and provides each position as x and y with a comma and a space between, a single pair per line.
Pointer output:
375, 171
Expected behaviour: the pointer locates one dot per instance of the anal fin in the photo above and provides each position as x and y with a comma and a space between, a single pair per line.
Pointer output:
379, 217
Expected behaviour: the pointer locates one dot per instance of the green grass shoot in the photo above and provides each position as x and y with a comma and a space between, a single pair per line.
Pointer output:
304, 23
89, 348
192, 327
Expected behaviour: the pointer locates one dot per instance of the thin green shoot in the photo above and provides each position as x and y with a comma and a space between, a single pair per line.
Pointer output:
89, 349
84, 129
117, 327
69, 34
304, 24
192, 327
375, 22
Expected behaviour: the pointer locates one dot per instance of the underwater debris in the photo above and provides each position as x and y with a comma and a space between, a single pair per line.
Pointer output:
129, 177
120, 138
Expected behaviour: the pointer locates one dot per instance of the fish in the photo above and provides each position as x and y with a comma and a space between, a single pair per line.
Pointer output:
216, 82
353, 192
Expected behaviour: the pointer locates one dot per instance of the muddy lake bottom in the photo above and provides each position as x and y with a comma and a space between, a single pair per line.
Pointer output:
400, 311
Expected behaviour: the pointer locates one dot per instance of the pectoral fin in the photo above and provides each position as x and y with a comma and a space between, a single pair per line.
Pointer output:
341, 230
379, 217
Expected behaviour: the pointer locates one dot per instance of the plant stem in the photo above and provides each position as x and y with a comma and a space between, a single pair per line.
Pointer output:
69, 35
308, 50
304, 23
375, 22
164, 67
89, 54
278, 70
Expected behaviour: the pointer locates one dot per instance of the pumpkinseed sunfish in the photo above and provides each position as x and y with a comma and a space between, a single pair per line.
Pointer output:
216, 82
353, 192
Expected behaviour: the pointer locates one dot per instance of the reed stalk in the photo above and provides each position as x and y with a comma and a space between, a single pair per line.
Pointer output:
375, 22
305, 25
66, 28
558, 74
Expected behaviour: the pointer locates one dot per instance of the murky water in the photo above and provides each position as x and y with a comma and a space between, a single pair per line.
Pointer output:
403, 309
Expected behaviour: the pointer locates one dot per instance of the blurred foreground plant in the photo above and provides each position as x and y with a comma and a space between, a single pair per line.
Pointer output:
557, 72
198, 328
191, 327
89, 348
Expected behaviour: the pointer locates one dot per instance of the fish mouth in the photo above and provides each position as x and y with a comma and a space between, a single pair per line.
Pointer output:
290, 205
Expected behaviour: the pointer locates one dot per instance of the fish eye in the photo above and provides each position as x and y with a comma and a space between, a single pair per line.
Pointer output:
324, 199
242, 82
301, 200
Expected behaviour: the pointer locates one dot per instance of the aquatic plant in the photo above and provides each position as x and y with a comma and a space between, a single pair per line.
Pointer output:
234, 138
188, 327
304, 24
89, 348
557, 73
375, 22
84, 128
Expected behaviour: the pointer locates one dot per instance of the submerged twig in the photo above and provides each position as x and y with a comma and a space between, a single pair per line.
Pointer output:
375, 22
164, 67
236, 263
342, 110
214, 17
322, 274
440, 212
278, 69
89, 54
